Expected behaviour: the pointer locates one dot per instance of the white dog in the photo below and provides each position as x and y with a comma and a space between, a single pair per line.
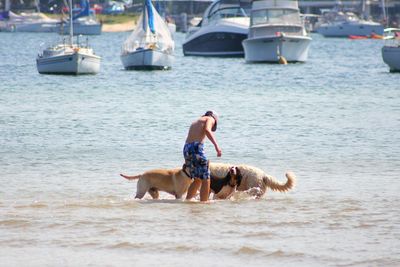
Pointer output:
254, 180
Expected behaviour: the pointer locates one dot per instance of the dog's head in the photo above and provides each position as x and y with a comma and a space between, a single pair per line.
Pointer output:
235, 176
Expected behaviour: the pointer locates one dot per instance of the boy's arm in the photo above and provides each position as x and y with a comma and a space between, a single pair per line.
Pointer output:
207, 128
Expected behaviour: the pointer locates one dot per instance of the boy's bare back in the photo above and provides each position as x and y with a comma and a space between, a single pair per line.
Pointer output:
197, 130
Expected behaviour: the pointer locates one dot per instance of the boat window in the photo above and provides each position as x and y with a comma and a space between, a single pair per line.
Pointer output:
275, 16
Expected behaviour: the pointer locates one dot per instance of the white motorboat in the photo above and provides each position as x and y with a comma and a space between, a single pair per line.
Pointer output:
277, 33
84, 23
391, 49
29, 22
336, 23
68, 57
225, 24
150, 46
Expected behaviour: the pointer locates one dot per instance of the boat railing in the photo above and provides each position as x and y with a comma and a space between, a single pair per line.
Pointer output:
132, 47
81, 44
276, 30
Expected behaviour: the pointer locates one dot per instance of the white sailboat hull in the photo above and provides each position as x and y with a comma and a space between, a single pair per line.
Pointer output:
147, 59
267, 49
391, 56
76, 63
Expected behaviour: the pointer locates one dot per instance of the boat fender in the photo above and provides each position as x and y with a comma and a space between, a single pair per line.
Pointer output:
282, 60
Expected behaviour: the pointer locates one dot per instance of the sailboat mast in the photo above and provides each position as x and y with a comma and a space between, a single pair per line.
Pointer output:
71, 28
7, 5
384, 13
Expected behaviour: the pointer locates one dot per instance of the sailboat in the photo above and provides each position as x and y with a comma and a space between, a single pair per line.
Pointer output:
150, 46
85, 22
68, 58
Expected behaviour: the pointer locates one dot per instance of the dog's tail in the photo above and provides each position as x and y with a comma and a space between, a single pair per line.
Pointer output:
131, 177
275, 185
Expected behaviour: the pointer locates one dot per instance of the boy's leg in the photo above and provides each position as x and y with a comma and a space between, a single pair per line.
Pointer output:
205, 189
193, 188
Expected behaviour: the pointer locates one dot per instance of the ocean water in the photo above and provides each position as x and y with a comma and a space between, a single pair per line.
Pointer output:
334, 121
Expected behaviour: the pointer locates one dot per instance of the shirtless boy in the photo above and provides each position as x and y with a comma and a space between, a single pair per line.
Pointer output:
195, 158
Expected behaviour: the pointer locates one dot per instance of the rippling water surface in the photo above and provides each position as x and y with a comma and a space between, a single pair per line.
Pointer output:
334, 121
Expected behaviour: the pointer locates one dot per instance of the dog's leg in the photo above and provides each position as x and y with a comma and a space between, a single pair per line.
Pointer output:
255, 192
141, 189
154, 193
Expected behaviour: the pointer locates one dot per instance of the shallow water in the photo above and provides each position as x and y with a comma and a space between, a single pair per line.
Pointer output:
334, 121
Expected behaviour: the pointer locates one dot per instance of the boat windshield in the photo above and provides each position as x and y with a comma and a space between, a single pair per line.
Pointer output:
276, 16
228, 12
392, 37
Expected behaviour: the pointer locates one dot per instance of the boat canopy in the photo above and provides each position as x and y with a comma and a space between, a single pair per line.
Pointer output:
151, 32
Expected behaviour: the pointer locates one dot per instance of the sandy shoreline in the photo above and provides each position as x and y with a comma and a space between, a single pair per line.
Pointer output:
121, 27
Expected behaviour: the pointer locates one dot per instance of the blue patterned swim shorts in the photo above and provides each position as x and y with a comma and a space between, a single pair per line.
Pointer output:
196, 160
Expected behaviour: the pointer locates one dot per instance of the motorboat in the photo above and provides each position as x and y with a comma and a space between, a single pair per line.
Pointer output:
225, 24
68, 57
150, 46
29, 22
84, 23
343, 24
391, 49
277, 33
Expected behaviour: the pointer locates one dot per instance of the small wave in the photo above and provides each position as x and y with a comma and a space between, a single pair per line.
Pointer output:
34, 205
126, 245
109, 231
373, 262
275, 254
250, 251
15, 223
282, 254
365, 225
178, 248
260, 235
100, 204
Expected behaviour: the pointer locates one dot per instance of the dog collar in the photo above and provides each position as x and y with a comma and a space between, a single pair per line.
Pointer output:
184, 170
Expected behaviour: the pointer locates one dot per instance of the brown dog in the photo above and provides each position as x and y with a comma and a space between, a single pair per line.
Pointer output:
254, 180
175, 182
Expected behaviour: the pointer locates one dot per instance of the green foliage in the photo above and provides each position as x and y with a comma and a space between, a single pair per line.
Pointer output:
117, 19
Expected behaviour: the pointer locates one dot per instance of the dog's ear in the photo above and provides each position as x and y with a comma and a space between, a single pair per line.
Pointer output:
239, 177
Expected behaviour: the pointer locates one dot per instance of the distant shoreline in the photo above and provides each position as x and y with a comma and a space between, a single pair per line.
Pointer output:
119, 27
112, 23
